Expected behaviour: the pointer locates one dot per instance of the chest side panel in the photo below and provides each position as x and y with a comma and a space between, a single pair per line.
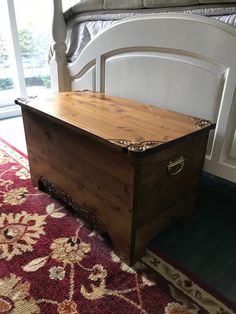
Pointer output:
97, 177
161, 196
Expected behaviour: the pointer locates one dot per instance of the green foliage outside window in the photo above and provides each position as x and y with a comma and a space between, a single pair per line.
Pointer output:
6, 83
40, 80
3, 51
26, 41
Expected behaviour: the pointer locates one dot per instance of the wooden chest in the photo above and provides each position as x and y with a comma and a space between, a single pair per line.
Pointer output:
131, 168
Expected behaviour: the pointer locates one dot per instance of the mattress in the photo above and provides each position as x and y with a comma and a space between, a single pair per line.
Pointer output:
83, 27
82, 33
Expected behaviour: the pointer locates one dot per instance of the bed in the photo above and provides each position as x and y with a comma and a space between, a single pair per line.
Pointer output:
172, 57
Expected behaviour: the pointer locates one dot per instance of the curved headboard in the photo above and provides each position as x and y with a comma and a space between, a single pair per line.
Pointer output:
182, 62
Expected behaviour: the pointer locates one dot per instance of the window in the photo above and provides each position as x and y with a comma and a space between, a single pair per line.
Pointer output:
34, 20
8, 68
25, 35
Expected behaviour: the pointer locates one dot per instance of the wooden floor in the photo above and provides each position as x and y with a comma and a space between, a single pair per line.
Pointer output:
206, 246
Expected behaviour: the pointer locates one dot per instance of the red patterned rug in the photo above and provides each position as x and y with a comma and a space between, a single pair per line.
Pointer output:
51, 262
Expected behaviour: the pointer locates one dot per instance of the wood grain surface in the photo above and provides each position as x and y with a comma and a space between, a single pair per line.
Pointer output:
120, 122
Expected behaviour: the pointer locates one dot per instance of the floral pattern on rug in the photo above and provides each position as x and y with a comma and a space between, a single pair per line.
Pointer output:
14, 296
18, 233
51, 262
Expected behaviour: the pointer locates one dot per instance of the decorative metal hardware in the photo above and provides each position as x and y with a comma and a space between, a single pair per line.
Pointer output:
175, 167
200, 123
84, 91
24, 100
52, 190
136, 146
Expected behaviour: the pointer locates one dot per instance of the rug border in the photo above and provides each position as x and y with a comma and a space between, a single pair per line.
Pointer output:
208, 289
15, 153
13, 147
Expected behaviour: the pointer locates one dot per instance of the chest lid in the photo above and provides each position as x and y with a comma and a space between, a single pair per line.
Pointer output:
125, 124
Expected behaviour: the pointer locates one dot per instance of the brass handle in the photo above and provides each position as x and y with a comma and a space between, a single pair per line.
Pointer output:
174, 167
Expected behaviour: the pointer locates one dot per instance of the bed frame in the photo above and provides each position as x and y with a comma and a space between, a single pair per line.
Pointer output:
182, 62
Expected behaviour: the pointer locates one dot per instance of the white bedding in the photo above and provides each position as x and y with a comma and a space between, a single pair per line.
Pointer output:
88, 17
81, 33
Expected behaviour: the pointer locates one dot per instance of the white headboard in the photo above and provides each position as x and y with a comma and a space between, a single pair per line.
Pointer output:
183, 62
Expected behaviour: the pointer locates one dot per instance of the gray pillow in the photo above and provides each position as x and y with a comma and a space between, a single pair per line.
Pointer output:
169, 3
122, 4
215, 1
87, 5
